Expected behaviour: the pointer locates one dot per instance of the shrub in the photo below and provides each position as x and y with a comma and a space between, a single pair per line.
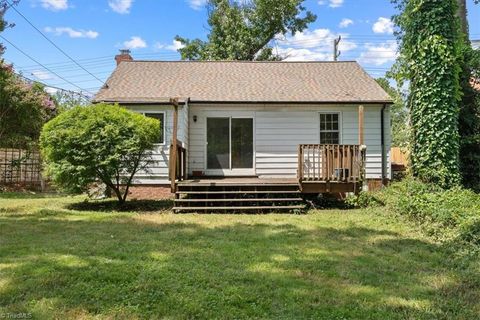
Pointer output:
102, 142
364, 200
446, 214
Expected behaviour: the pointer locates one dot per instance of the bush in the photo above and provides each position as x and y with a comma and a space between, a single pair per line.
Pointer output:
364, 200
446, 214
102, 142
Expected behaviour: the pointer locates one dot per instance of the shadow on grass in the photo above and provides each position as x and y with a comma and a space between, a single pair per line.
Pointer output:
137, 268
115, 206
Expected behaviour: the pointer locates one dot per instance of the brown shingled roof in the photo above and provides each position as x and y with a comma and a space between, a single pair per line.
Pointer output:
241, 81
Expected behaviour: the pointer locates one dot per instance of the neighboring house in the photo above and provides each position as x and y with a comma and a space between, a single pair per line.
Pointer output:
248, 119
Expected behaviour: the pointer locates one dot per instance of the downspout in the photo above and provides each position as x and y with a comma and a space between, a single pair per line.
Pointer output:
382, 129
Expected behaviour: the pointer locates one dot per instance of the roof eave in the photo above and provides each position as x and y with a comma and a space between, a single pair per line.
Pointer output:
163, 102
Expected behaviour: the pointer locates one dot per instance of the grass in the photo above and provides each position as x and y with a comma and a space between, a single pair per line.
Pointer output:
60, 259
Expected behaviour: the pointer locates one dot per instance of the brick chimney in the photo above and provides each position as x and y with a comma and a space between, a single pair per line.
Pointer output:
123, 56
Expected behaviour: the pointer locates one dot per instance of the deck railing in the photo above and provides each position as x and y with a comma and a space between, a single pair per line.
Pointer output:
331, 162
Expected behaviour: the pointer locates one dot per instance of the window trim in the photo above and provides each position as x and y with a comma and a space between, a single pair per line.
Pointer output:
340, 126
162, 124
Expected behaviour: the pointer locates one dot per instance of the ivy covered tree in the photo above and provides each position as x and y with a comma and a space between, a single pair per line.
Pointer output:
429, 60
469, 118
243, 30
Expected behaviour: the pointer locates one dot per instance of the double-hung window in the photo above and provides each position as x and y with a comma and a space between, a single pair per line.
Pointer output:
329, 128
160, 116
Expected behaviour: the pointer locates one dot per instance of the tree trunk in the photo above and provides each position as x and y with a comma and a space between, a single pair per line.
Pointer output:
462, 14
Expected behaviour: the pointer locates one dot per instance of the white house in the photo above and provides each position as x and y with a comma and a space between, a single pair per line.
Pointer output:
253, 119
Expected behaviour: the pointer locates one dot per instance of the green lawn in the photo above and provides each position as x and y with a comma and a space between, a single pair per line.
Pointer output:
59, 260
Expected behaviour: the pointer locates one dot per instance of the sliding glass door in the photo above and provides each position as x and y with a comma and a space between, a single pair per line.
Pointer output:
218, 143
229, 143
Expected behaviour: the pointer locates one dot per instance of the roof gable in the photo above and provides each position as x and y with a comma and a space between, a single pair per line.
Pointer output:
241, 81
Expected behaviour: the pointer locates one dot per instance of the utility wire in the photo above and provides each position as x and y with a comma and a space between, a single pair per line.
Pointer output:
54, 87
40, 64
53, 43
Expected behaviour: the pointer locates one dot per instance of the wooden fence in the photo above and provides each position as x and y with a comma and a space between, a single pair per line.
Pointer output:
399, 159
21, 168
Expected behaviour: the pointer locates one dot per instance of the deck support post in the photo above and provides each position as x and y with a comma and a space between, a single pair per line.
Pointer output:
174, 147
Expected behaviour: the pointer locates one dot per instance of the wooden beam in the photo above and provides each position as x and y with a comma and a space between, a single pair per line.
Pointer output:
174, 147
361, 130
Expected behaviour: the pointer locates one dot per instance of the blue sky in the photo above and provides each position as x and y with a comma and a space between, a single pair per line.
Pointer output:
92, 32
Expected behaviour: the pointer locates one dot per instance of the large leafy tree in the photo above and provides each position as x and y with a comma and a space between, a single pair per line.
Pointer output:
102, 142
24, 108
243, 30
429, 60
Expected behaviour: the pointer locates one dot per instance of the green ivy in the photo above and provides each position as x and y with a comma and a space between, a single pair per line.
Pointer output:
429, 61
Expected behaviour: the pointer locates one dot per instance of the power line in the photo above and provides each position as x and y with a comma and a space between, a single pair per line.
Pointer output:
53, 87
40, 64
48, 39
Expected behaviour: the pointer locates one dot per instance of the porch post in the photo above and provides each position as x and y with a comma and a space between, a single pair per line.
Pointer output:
174, 147
361, 138
361, 142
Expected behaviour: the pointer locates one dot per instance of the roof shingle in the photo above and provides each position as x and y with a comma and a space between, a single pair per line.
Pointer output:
241, 81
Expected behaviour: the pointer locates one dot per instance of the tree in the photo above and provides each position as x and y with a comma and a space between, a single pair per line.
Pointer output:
102, 142
4, 5
398, 113
469, 119
429, 61
242, 30
24, 108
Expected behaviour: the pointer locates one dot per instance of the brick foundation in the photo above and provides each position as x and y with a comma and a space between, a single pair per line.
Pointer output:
150, 192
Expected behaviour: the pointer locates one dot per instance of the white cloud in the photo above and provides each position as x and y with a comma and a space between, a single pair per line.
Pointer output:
383, 25
51, 91
175, 46
345, 23
120, 6
135, 43
55, 5
72, 33
331, 3
379, 54
303, 54
42, 75
312, 45
320, 39
197, 4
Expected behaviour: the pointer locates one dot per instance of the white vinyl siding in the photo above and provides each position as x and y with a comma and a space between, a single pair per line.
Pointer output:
278, 132
280, 129
158, 170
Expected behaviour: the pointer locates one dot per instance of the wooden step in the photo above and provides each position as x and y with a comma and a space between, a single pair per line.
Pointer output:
238, 208
240, 200
233, 184
240, 191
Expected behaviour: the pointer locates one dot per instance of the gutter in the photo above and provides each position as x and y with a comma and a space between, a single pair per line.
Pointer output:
382, 129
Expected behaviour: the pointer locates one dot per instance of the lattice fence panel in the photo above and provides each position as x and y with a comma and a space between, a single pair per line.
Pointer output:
20, 168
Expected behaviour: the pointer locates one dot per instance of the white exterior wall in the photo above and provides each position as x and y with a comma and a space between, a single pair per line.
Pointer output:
158, 171
280, 129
